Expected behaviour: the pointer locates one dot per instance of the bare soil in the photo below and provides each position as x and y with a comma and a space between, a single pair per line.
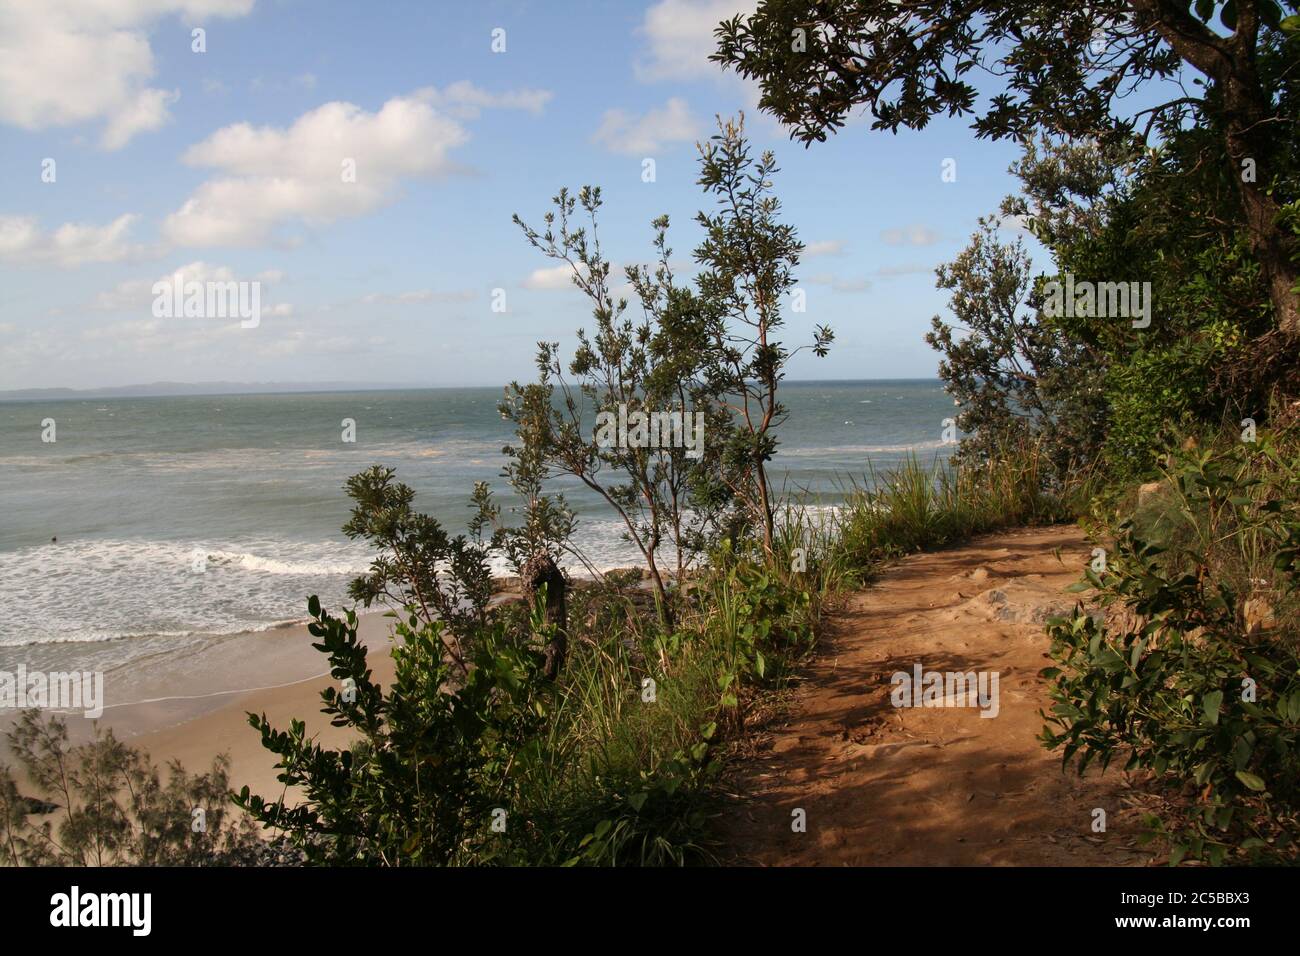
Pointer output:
904, 786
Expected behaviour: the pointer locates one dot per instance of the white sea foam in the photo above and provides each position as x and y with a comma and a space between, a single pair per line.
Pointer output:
126, 590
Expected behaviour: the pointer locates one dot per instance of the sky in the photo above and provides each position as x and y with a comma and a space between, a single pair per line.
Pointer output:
127, 155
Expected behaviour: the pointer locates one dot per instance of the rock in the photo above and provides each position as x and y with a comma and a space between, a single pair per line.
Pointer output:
1258, 615
1147, 491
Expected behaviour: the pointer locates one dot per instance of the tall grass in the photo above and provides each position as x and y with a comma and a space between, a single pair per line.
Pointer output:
914, 507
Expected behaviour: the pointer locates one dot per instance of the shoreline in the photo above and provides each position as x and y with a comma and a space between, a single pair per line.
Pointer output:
191, 705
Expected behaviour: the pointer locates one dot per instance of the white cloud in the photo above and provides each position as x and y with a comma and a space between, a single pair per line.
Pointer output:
679, 37
630, 135
273, 176
828, 247
906, 269
464, 100
911, 235
555, 277
73, 244
67, 62
137, 294
1016, 224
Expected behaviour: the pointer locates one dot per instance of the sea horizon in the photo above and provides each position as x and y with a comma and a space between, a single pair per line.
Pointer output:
62, 393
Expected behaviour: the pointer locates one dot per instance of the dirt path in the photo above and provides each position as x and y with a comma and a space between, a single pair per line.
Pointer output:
886, 785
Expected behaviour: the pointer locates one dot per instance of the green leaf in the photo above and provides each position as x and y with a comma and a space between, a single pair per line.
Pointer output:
1205, 9
1211, 702
1251, 781
1293, 705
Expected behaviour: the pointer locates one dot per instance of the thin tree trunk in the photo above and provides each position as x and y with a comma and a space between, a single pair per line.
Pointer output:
1230, 63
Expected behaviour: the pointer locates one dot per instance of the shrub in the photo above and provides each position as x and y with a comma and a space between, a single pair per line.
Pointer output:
105, 804
431, 773
1180, 686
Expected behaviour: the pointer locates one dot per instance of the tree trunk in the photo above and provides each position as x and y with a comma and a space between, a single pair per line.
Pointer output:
1268, 240
661, 592
1230, 63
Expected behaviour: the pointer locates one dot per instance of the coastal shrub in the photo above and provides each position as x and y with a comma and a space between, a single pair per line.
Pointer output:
658, 419
428, 780
104, 803
1218, 506
1014, 378
438, 577
1185, 683
707, 355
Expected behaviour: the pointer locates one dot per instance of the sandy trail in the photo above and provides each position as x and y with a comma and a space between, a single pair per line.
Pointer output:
883, 785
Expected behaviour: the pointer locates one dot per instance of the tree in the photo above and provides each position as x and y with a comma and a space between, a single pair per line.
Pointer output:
108, 805
1015, 377
647, 371
748, 258
1066, 69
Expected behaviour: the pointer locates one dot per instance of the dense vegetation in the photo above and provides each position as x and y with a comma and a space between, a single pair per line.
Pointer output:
587, 724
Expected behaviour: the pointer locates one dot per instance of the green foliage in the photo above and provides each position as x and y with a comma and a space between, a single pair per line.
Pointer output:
440, 577
104, 803
767, 618
1066, 71
1015, 378
663, 491
433, 755
748, 257
1179, 686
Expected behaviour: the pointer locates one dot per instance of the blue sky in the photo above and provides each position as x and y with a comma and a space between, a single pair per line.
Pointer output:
225, 164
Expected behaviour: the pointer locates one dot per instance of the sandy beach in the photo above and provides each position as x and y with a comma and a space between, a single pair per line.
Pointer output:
191, 710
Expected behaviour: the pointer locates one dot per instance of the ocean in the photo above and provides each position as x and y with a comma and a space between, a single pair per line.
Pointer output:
136, 489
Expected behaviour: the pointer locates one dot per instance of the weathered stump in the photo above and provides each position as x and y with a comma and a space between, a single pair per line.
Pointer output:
538, 572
